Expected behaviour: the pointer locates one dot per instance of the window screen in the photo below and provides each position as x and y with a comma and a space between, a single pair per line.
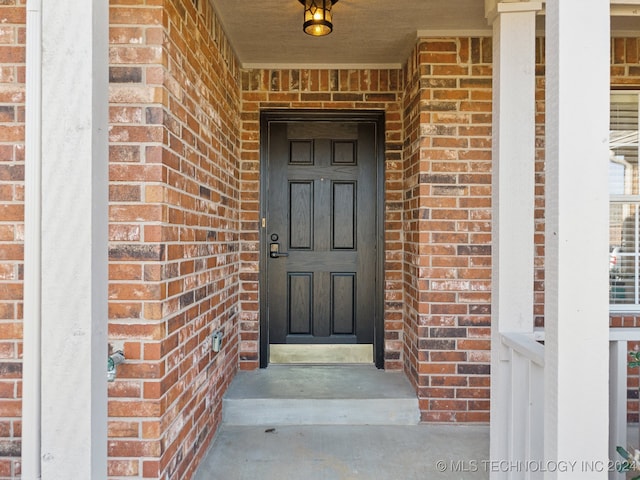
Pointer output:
624, 190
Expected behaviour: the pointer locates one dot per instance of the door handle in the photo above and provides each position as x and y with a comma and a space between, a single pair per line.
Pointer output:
274, 251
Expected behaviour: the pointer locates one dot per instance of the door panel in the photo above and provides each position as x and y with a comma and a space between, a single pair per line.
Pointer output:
343, 302
300, 296
343, 220
300, 215
321, 210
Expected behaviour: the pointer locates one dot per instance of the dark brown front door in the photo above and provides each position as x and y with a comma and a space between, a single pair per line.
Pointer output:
320, 230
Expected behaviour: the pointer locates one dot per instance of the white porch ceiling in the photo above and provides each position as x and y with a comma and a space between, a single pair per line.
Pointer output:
366, 32
375, 33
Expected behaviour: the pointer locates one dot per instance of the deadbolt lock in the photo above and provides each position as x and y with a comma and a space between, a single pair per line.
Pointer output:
274, 248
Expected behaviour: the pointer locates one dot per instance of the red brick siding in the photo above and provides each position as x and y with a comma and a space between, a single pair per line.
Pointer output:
411, 214
447, 252
174, 221
320, 89
625, 63
12, 104
538, 286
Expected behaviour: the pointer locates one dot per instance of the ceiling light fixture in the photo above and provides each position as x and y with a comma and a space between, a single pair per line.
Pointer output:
318, 19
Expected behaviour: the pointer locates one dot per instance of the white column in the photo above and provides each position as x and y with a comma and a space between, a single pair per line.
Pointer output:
513, 199
32, 247
618, 361
73, 253
576, 300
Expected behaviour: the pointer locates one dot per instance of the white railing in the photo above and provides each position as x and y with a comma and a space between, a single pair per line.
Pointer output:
525, 359
525, 428
618, 361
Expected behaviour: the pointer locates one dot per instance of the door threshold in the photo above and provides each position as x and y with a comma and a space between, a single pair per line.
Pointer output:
320, 354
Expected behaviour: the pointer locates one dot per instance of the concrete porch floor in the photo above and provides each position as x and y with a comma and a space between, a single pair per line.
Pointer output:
341, 452
336, 422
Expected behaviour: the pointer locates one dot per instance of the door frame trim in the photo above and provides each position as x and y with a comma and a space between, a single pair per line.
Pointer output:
373, 116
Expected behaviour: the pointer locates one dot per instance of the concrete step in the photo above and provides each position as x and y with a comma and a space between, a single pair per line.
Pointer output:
320, 395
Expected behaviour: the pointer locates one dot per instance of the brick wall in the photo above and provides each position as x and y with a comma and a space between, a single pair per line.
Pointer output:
332, 90
447, 252
412, 214
447, 98
625, 63
174, 213
12, 98
539, 225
